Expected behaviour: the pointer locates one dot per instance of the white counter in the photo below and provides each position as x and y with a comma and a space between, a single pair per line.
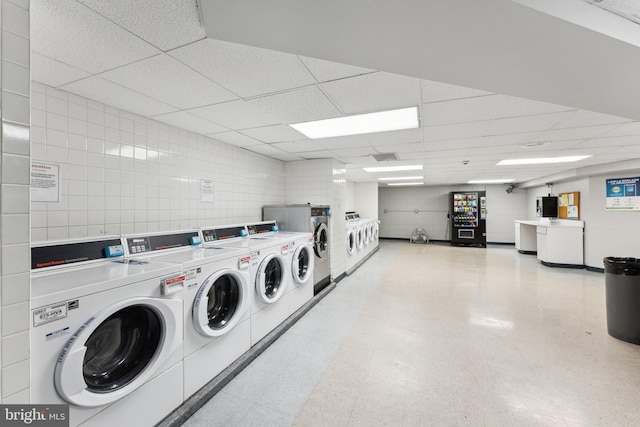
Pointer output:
556, 243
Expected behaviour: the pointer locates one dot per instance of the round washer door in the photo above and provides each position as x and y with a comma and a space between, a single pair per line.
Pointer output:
365, 234
302, 265
351, 242
321, 246
359, 238
220, 303
270, 279
118, 350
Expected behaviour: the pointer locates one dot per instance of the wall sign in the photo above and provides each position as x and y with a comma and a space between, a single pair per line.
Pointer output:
206, 191
623, 194
45, 182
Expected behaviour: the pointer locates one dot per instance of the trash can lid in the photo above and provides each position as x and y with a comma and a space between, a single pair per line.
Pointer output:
625, 266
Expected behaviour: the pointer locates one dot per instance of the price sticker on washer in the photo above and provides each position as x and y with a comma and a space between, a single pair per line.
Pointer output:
49, 314
255, 256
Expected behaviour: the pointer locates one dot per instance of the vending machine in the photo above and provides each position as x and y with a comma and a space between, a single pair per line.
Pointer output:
468, 214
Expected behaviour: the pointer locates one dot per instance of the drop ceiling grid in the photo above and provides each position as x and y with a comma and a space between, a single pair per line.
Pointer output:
115, 95
245, 71
373, 92
298, 105
164, 78
325, 71
274, 133
64, 23
185, 120
53, 73
175, 23
235, 138
436, 92
235, 115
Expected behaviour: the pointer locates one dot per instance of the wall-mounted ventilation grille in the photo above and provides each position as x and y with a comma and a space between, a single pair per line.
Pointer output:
381, 157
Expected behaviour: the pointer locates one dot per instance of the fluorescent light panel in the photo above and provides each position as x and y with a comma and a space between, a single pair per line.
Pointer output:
399, 178
541, 160
490, 181
404, 118
394, 168
405, 183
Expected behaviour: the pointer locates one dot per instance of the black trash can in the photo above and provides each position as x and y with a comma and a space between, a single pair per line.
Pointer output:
622, 288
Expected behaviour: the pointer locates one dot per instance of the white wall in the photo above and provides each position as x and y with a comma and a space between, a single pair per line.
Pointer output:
14, 238
322, 182
606, 233
432, 204
123, 173
366, 199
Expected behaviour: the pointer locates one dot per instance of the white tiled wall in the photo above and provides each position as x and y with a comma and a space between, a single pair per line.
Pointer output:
15, 254
321, 182
432, 204
123, 173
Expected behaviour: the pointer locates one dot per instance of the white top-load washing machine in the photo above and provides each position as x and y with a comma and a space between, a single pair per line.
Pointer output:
217, 298
106, 333
301, 260
269, 278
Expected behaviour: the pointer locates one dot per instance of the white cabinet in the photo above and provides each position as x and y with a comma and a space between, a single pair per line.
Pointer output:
557, 243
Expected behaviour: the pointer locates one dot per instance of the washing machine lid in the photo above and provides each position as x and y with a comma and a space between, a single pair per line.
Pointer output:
302, 265
118, 350
221, 301
270, 279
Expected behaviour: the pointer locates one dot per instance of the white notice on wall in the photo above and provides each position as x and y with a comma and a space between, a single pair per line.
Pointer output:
206, 191
45, 182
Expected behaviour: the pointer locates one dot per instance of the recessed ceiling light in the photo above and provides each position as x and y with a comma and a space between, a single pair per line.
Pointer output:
393, 168
405, 183
399, 178
490, 181
404, 118
541, 160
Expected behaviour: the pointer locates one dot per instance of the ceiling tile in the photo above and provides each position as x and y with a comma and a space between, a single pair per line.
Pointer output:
117, 96
301, 105
338, 142
299, 146
286, 157
625, 129
235, 138
576, 133
244, 70
235, 115
97, 44
434, 92
373, 92
411, 147
325, 71
354, 152
265, 149
184, 120
54, 73
513, 106
588, 118
166, 24
461, 110
395, 137
523, 124
308, 155
168, 80
609, 142
462, 130
276, 133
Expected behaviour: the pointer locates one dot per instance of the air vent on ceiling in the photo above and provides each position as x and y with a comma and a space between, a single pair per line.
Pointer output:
381, 157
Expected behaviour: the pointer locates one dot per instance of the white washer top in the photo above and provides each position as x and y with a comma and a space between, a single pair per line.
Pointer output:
85, 279
198, 255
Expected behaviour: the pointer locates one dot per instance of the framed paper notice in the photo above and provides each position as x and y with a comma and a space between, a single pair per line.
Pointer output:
206, 191
45, 182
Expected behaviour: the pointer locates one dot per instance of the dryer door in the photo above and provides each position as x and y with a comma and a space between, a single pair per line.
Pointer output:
118, 350
351, 242
220, 303
270, 279
302, 265
321, 236
359, 238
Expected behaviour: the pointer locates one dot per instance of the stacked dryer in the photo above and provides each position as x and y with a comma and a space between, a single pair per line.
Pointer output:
106, 333
217, 297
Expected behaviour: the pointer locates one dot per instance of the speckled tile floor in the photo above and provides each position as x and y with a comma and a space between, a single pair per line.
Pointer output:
434, 335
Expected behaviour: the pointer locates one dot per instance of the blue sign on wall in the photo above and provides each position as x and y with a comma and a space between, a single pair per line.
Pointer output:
623, 194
